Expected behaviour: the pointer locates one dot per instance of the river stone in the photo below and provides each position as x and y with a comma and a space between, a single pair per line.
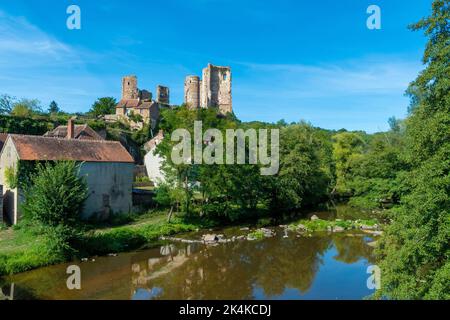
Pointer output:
375, 233
314, 217
267, 232
372, 244
338, 229
210, 238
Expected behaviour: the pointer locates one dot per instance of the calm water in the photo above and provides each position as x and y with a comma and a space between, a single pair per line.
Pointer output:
324, 266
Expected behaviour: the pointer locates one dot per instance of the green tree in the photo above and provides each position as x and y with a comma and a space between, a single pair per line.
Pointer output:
53, 107
136, 117
373, 176
103, 106
415, 249
347, 148
26, 108
6, 103
304, 175
56, 196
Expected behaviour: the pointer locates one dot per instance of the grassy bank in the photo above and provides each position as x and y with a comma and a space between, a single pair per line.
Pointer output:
23, 248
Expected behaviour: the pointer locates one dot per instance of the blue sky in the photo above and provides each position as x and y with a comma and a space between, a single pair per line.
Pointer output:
291, 59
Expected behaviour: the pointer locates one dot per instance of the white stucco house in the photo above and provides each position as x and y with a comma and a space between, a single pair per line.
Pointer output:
107, 166
153, 161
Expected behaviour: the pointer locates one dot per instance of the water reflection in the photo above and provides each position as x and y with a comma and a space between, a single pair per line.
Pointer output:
321, 266
7, 292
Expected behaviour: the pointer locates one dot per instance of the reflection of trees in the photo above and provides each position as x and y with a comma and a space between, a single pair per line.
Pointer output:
294, 264
231, 271
352, 248
193, 271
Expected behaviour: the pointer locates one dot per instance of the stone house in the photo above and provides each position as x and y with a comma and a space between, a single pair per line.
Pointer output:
106, 165
140, 102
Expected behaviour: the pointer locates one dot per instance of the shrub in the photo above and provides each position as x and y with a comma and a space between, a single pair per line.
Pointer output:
57, 195
11, 177
257, 235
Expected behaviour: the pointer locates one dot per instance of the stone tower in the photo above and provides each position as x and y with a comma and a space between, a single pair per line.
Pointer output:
192, 92
162, 95
216, 88
129, 88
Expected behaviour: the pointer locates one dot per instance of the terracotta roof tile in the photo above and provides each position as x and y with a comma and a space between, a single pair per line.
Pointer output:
3, 137
135, 103
44, 148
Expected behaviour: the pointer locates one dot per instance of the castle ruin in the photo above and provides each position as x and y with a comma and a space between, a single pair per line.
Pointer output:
140, 102
212, 91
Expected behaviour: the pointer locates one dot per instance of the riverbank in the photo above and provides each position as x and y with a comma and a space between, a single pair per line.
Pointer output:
23, 248
285, 263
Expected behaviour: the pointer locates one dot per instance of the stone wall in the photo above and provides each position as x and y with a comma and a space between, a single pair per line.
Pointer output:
213, 91
129, 88
162, 95
192, 92
216, 88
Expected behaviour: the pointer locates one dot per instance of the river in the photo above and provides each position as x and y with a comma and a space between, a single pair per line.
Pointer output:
287, 266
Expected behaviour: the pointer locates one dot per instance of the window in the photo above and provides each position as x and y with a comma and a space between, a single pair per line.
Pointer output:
224, 76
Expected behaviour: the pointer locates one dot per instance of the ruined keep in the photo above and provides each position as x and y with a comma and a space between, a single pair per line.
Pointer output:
162, 95
129, 88
214, 90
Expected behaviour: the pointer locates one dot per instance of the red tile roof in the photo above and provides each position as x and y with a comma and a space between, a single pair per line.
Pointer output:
3, 137
52, 149
135, 103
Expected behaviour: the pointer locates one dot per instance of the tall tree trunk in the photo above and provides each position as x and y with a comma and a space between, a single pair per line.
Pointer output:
170, 214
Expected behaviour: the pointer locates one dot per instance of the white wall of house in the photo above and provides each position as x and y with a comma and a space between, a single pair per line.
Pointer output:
109, 184
153, 163
9, 159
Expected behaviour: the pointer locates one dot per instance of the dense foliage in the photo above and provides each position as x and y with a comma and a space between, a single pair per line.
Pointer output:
103, 106
415, 250
22, 125
57, 194
239, 191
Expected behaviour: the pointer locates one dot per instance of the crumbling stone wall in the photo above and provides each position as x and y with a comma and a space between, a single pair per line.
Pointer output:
145, 95
162, 95
216, 88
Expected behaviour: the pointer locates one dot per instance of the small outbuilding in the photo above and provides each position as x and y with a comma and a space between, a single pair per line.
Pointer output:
106, 165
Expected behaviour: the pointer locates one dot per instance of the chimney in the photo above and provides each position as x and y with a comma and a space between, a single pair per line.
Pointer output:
70, 129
